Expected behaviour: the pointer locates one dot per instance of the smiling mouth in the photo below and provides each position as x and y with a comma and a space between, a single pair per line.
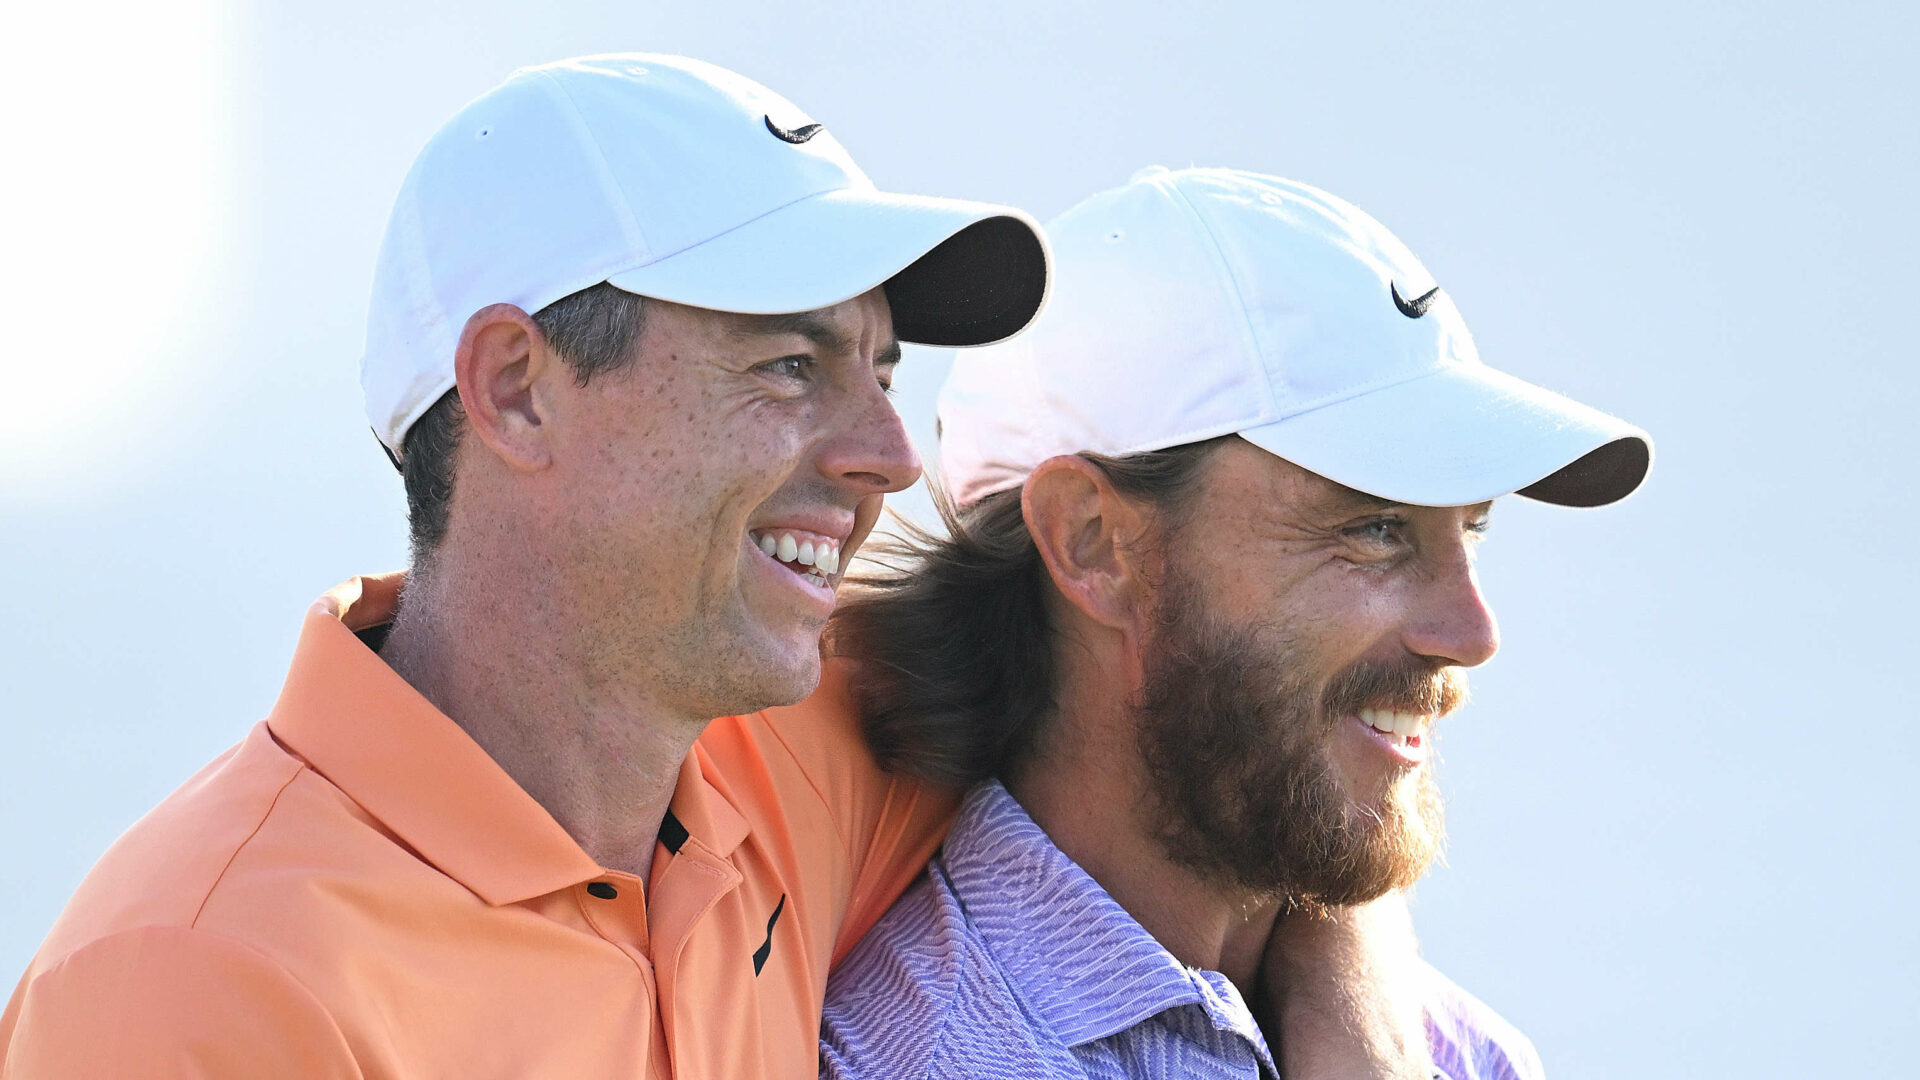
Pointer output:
813, 558
1403, 728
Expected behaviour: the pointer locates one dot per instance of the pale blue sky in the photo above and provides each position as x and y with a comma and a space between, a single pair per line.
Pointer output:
1682, 843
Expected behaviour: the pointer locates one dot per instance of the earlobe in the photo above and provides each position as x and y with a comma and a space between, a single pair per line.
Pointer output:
1085, 534
498, 367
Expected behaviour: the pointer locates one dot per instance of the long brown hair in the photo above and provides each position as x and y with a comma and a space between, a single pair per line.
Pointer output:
952, 634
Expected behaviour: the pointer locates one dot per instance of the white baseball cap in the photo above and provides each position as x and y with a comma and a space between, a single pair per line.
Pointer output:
677, 180
1206, 302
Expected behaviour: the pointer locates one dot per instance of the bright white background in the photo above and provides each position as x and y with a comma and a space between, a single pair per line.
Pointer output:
1681, 802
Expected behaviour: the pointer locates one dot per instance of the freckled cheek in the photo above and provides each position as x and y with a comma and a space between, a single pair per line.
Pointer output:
1355, 620
763, 448
684, 465
1242, 581
718, 486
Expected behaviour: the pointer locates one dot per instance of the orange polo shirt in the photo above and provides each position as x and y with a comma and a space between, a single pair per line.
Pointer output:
357, 890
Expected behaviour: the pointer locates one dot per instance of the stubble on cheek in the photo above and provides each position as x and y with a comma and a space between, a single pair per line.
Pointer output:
630, 544
739, 647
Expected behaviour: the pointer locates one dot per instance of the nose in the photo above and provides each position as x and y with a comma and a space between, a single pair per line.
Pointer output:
1452, 623
872, 454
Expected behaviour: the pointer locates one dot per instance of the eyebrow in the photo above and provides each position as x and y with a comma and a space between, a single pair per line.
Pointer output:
809, 325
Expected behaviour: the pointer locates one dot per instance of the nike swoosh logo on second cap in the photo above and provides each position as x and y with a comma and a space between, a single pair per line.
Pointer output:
797, 135
1416, 307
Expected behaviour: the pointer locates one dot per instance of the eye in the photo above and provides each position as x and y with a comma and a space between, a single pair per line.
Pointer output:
797, 367
1379, 532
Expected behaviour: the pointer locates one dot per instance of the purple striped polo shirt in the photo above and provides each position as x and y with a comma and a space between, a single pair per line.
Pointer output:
1007, 960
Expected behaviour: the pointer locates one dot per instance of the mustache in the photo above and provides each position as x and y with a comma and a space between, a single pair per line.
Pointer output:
1413, 687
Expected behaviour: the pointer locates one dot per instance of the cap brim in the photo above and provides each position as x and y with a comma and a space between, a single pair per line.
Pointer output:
1462, 435
956, 272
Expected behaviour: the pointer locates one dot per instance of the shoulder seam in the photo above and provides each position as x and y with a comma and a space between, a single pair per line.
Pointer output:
194, 923
236, 944
839, 827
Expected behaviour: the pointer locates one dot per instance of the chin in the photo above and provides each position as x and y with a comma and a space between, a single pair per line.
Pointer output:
786, 680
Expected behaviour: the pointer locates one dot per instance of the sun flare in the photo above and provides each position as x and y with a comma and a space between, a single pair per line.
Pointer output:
109, 213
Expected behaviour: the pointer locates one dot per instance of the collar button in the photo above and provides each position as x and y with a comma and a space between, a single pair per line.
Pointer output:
602, 890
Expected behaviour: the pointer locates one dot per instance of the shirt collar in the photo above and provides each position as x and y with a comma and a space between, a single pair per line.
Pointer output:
360, 725
1083, 965
703, 809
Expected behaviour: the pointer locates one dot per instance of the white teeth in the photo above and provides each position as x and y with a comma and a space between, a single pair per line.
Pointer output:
1401, 724
823, 556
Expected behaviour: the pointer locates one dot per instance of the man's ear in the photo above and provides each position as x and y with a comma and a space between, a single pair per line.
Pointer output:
499, 366
1088, 534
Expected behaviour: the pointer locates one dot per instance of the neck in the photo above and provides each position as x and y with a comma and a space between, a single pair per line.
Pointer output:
1084, 768
602, 760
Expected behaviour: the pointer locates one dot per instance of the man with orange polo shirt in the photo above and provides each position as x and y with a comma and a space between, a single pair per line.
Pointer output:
490, 828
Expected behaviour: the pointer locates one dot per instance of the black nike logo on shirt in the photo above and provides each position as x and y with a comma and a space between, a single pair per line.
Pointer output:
797, 135
766, 949
1416, 307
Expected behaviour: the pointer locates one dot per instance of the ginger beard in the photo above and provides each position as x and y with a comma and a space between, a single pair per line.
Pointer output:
1233, 733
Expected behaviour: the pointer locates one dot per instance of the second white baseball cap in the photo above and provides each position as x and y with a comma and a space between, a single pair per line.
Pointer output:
677, 180
1206, 302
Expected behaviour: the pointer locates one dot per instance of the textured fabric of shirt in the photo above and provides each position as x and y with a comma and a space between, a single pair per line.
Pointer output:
358, 891
1008, 960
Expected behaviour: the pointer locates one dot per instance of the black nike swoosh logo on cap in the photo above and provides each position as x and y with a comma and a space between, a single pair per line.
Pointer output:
1416, 307
797, 135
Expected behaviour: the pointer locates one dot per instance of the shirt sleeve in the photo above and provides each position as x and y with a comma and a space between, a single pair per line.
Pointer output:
1472, 1042
173, 1003
889, 825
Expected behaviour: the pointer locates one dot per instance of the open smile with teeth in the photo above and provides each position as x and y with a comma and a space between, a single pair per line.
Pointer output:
1407, 729
813, 557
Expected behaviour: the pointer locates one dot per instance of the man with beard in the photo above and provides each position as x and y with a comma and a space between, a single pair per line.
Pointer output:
1208, 586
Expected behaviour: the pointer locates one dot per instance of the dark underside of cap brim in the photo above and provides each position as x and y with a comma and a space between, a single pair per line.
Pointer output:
981, 284
1598, 477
